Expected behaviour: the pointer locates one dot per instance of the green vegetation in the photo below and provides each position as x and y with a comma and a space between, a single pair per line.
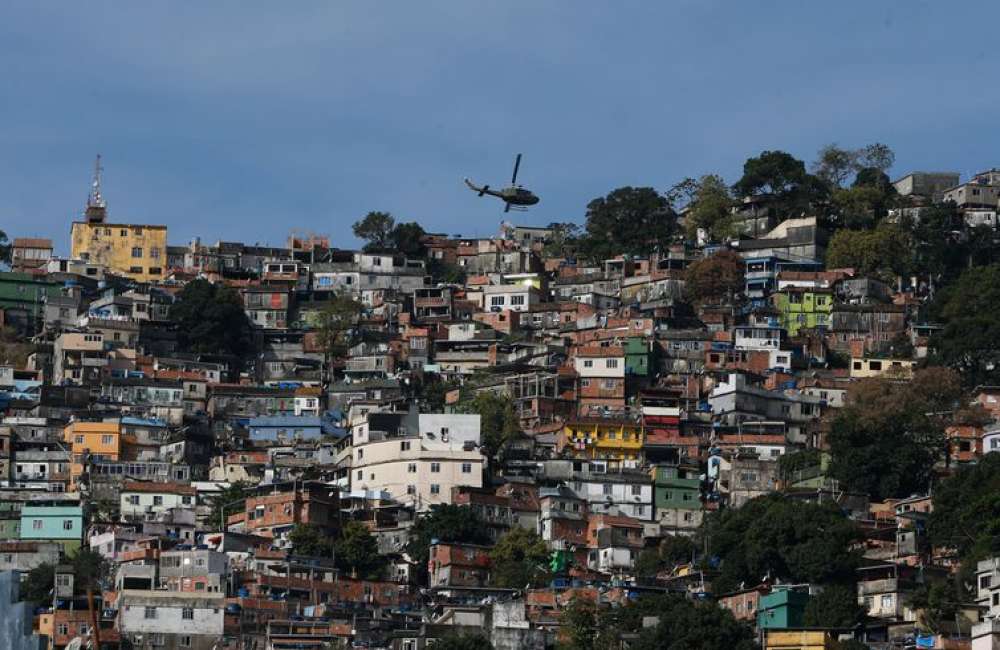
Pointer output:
716, 278
519, 559
210, 319
629, 220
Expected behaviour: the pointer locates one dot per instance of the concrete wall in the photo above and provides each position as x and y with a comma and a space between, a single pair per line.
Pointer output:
15, 617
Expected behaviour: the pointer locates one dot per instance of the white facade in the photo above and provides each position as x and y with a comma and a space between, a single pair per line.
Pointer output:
610, 560
757, 338
177, 619
147, 505
511, 297
609, 366
608, 497
422, 468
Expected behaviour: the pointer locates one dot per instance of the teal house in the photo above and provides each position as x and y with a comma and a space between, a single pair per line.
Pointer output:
638, 356
782, 609
60, 524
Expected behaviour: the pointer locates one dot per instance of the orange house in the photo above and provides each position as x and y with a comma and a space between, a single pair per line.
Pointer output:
98, 439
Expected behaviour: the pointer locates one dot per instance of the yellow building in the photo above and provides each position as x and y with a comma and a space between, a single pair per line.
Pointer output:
798, 640
139, 252
98, 439
599, 438
136, 251
863, 368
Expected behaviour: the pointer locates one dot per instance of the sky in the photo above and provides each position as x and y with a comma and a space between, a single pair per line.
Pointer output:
245, 120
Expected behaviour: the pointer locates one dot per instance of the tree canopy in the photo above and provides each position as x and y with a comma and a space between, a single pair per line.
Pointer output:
715, 278
376, 229
336, 323
687, 625
966, 514
4, 248
357, 552
885, 440
884, 252
210, 319
518, 559
782, 538
709, 204
499, 423
445, 523
629, 220
969, 309
782, 178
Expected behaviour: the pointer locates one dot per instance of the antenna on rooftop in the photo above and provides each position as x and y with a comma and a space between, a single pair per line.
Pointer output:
97, 207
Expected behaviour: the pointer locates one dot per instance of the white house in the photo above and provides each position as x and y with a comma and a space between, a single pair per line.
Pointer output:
147, 500
171, 619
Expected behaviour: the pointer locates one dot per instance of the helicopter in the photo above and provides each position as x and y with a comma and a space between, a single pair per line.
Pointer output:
513, 196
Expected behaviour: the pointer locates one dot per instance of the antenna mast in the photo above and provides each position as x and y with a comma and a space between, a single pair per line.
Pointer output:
97, 207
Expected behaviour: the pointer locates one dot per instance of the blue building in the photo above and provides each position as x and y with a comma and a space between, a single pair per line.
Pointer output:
16, 616
60, 524
286, 428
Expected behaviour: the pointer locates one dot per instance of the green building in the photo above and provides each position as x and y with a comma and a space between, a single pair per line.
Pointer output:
10, 519
22, 298
677, 498
638, 356
60, 524
803, 308
782, 609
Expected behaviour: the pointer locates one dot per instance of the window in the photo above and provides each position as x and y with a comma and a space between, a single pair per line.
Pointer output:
106, 440
435, 468
155, 270
466, 468
874, 365
123, 232
435, 488
360, 475
186, 500
404, 446
857, 365
497, 301
411, 489
606, 488
135, 269
636, 490
67, 524
361, 454
157, 500
185, 642
517, 300
187, 614
79, 440
62, 629
133, 499
377, 261
886, 601
149, 612
154, 253
136, 251
411, 468
36, 524
611, 363
985, 581
588, 363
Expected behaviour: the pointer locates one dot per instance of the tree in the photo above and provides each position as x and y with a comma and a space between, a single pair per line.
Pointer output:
376, 229
687, 625
629, 220
969, 309
13, 349
519, 559
966, 513
210, 319
335, 325
835, 606
456, 641
790, 464
835, 165
578, 625
563, 240
710, 209
938, 603
885, 252
446, 523
38, 584
227, 502
5, 248
782, 178
782, 538
357, 552
885, 440
717, 278
407, 238
498, 421
310, 540
876, 156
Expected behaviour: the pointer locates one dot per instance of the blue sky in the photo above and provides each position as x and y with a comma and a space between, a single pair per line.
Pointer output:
242, 120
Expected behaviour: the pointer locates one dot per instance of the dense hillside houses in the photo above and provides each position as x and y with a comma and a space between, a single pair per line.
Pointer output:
765, 413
